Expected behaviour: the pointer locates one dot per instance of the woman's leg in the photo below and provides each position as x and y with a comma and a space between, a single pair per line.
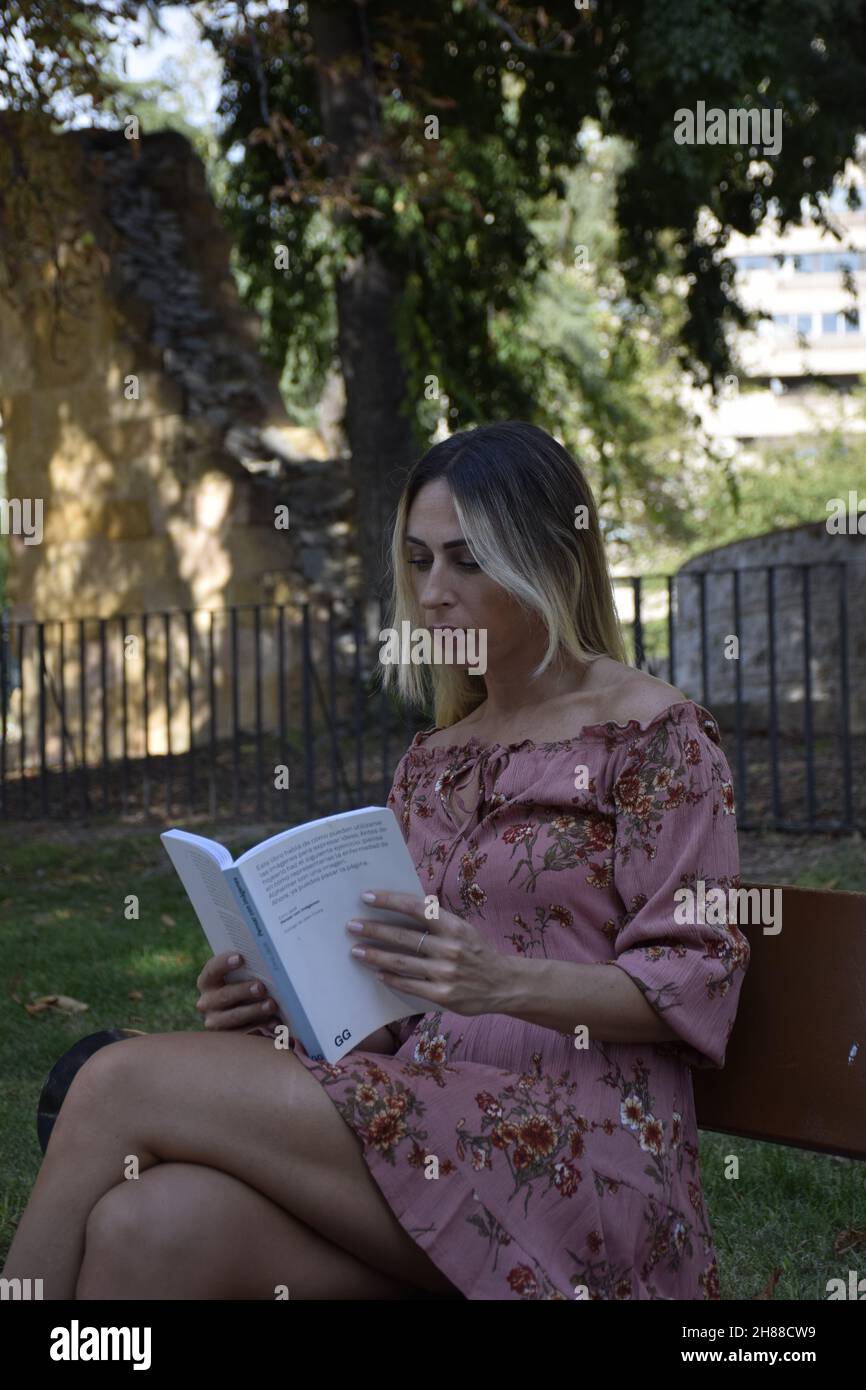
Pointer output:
184, 1231
228, 1101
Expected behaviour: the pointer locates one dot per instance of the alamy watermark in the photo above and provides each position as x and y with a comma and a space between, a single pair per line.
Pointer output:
740, 125
443, 647
16, 518
20, 1290
77, 1343
855, 1288
716, 906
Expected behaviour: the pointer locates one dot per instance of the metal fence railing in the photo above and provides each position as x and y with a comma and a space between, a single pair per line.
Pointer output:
277, 712
247, 710
767, 649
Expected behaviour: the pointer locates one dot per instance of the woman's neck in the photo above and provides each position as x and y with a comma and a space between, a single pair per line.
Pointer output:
514, 702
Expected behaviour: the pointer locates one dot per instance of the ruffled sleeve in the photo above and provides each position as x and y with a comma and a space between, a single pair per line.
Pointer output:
676, 829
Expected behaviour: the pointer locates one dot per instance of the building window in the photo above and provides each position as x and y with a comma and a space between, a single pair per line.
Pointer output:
814, 262
841, 322
747, 263
805, 262
795, 323
841, 260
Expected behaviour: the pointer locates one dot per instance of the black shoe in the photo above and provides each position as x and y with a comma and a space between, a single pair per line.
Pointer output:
62, 1073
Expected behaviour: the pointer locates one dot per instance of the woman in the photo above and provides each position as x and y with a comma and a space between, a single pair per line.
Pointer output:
533, 1135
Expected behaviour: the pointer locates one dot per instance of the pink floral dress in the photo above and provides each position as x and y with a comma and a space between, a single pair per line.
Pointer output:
525, 1165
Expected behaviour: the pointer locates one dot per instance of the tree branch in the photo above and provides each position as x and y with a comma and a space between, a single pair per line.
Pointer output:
282, 153
546, 51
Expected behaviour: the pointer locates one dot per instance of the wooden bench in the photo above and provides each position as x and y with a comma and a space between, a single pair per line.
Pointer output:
795, 1067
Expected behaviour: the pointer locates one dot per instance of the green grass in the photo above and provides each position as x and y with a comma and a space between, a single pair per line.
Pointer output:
64, 932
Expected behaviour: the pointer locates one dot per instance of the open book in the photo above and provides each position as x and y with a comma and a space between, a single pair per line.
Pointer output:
284, 906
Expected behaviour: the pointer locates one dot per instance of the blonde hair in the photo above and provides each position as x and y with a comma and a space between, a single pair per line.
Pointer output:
516, 492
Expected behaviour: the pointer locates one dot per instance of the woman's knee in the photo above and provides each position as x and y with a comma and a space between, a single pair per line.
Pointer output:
95, 1086
154, 1214
141, 1233
174, 1232
109, 1076
107, 1068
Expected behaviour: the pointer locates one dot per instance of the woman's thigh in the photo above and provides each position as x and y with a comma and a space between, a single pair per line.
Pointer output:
236, 1103
184, 1231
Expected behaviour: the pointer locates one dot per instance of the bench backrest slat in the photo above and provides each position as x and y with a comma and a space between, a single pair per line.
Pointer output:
795, 1066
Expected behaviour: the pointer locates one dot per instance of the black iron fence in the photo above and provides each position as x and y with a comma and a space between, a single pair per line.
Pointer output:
777, 653
250, 710
277, 712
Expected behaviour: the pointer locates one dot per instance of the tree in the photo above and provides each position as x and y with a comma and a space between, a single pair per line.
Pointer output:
401, 157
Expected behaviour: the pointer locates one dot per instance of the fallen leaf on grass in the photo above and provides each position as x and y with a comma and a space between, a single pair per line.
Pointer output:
63, 1003
770, 1286
168, 919
135, 994
849, 1240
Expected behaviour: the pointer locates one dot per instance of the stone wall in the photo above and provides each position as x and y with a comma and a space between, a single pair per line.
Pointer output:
829, 556
149, 425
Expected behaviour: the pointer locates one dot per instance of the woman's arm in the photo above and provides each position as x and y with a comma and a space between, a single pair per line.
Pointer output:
562, 995
679, 967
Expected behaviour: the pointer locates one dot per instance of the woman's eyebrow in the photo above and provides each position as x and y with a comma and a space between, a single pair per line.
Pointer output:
449, 545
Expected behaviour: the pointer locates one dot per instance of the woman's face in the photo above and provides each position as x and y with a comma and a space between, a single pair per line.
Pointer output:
450, 589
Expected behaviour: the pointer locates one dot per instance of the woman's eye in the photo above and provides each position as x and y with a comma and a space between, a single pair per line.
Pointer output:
461, 564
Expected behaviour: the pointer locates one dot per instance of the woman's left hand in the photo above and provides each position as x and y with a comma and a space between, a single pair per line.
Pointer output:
456, 970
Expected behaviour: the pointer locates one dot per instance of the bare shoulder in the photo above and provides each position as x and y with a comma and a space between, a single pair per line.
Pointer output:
451, 734
627, 693
612, 691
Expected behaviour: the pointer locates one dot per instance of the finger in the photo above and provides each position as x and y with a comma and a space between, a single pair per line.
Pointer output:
407, 937
425, 989
421, 967
214, 970
229, 996
235, 1018
410, 903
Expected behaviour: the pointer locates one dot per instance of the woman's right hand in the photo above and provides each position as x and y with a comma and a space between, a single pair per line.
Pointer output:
239, 1005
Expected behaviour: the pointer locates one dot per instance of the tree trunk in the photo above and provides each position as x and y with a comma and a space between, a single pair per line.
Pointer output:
380, 438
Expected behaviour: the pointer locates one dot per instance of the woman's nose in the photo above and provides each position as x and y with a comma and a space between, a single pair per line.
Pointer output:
434, 590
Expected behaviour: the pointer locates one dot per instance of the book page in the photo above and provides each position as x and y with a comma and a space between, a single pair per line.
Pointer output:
215, 905
306, 889
278, 840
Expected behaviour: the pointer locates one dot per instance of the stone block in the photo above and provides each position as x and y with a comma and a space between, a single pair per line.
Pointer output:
80, 519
